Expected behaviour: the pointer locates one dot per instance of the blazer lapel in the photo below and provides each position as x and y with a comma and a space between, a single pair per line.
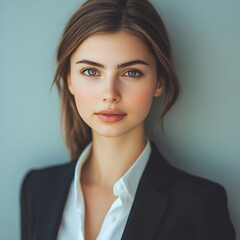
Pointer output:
56, 197
150, 204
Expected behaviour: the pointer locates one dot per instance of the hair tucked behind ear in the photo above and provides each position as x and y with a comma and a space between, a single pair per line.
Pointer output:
137, 17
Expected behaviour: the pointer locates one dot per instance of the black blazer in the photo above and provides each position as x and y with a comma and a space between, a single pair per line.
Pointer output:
169, 204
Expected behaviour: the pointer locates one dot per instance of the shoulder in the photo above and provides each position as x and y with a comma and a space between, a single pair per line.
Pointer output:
190, 194
195, 204
200, 202
197, 189
192, 182
183, 184
39, 178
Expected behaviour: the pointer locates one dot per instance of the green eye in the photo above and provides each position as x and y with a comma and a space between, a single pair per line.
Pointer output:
90, 72
132, 74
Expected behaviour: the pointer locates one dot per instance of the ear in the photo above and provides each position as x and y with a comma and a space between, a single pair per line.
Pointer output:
69, 84
159, 88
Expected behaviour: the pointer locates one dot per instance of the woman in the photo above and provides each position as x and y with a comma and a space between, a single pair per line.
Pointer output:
113, 59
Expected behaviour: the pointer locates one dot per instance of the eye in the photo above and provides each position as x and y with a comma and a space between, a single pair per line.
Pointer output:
133, 74
90, 72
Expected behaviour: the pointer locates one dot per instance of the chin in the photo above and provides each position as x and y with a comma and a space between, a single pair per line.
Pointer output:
114, 132
110, 133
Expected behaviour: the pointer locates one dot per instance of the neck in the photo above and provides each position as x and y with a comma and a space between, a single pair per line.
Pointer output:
111, 157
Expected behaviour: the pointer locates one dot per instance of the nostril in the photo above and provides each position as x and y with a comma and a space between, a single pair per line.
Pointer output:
111, 99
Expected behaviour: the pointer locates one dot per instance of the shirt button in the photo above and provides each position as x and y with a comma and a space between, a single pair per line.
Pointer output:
119, 187
112, 219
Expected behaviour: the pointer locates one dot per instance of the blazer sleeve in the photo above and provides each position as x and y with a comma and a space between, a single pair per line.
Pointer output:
25, 208
213, 220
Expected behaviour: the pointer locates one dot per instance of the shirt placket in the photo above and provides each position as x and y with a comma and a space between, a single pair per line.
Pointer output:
110, 221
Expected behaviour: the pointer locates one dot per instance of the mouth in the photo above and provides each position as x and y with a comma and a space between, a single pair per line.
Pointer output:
111, 115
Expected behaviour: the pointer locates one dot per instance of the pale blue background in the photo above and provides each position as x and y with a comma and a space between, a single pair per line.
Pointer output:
202, 130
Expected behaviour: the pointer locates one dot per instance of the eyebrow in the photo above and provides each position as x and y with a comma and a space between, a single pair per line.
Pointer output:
126, 64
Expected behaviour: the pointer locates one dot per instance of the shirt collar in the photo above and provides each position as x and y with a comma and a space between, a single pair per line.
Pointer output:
131, 178
127, 183
77, 174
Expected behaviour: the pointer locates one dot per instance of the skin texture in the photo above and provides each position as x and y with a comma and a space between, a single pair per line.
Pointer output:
111, 87
99, 80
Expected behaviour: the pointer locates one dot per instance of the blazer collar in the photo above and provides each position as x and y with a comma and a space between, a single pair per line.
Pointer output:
66, 173
150, 202
59, 192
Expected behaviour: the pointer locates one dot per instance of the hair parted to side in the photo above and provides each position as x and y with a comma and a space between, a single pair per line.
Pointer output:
137, 17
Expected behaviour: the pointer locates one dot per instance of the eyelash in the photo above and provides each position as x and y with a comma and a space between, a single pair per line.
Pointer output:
138, 72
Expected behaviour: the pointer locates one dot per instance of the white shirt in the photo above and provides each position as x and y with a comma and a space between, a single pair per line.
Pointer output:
72, 224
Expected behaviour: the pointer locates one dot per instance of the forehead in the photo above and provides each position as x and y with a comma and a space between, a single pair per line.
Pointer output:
110, 48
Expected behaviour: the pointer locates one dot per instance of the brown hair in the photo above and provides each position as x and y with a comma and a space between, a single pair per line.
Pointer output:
137, 17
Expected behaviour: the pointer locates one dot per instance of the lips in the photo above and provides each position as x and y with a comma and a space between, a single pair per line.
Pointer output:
110, 115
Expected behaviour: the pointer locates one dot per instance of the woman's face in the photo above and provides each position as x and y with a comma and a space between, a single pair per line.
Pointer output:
113, 79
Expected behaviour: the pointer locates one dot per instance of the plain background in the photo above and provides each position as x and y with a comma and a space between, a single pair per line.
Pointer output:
202, 133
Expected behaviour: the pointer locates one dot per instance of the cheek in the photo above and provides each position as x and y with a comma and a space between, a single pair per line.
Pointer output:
142, 100
83, 99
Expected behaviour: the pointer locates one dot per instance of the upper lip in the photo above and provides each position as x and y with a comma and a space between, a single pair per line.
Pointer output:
111, 111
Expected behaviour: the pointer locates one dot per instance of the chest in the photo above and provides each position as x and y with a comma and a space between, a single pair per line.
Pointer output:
97, 204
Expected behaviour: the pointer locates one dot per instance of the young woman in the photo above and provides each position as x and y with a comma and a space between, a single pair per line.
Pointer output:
113, 59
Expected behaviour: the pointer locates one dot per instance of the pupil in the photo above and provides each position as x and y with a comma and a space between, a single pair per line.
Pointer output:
92, 72
132, 73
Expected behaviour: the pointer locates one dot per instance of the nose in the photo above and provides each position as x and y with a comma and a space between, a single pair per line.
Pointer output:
111, 92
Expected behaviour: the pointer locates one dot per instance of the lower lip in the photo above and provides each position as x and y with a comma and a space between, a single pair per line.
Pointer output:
111, 118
